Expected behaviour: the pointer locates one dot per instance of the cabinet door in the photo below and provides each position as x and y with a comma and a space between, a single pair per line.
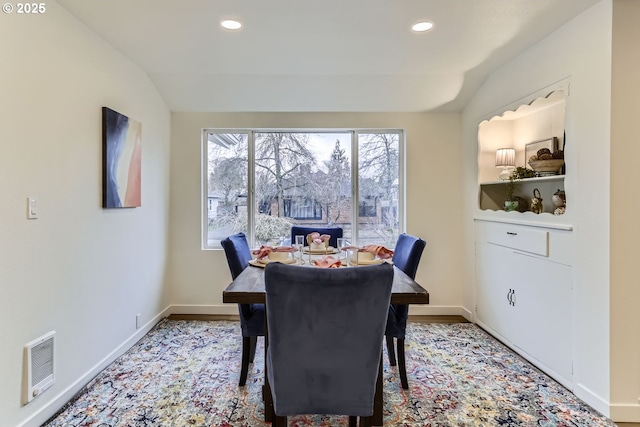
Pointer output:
544, 306
494, 290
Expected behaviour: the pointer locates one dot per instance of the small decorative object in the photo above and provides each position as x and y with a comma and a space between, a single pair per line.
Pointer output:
318, 242
547, 166
536, 202
544, 157
522, 203
559, 200
560, 210
513, 202
544, 152
540, 148
121, 160
505, 159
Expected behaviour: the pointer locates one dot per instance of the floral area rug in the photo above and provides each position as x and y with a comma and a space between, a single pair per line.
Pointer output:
185, 373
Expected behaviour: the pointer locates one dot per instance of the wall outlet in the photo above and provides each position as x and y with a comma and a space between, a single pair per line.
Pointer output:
138, 321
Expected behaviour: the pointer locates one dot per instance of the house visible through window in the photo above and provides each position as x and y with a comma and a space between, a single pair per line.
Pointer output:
368, 207
302, 208
263, 182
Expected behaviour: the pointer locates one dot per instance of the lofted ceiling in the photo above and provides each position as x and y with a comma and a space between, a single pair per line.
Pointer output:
329, 55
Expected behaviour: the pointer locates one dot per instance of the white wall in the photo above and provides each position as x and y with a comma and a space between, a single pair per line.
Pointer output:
433, 201
80, 270
580, 51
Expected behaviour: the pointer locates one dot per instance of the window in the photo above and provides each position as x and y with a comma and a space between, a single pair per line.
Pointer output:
263, 182
367, 206
302, 208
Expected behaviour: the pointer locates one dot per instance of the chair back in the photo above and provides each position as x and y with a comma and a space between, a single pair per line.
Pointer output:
407, 254
325, 328
236, 248
334, 232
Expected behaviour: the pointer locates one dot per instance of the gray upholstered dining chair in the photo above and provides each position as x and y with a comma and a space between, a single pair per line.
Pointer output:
406, 257
238, 254
334, 232
325, 336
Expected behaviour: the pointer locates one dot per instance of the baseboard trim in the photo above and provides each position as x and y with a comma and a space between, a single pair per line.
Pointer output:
593, 400
225, 309
55, 404
625, 413
229, 309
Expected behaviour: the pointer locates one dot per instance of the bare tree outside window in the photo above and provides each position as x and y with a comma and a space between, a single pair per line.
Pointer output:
333, 188
281, 159
227, 171
378, 173
302, 178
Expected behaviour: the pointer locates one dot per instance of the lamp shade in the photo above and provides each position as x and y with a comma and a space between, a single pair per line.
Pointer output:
505, 157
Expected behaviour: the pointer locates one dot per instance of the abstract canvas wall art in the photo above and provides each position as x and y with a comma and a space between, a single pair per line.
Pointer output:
121, 160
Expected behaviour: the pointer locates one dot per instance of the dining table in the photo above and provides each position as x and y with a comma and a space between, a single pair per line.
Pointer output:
248, 288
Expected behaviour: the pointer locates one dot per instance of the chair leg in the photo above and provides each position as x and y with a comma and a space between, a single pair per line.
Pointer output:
244, 367
252, 350
402, 367
365, 421
353, 421
280, 421
390, 351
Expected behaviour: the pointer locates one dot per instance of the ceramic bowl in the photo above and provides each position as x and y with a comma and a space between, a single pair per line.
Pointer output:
366, 256
362, 257
278, 256
547, 167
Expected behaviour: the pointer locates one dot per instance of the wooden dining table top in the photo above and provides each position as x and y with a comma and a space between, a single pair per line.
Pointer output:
248, 288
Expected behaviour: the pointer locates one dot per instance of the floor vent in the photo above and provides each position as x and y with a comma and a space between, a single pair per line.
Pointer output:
38, 363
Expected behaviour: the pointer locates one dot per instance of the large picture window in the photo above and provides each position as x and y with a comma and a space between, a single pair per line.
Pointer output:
263, 182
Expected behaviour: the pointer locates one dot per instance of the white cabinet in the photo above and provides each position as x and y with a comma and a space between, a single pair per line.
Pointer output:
524, 292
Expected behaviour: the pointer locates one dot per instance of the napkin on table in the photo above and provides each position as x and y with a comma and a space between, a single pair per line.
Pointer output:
327, 261
264, 250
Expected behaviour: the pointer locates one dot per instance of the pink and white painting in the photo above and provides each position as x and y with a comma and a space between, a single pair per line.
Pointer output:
121, 160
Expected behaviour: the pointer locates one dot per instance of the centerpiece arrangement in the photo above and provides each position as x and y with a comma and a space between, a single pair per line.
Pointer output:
318, 242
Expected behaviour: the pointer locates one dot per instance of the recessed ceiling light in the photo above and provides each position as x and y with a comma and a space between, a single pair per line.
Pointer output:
231, 24
422, 26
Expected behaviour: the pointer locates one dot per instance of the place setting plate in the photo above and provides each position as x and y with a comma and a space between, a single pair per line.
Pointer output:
264, 261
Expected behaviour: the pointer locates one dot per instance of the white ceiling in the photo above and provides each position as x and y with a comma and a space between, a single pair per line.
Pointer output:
321, 55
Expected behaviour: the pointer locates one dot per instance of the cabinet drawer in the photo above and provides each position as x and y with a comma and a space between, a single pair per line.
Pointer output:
524, 239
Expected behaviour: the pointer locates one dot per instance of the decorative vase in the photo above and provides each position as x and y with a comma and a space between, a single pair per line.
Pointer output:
510, 205
536, 202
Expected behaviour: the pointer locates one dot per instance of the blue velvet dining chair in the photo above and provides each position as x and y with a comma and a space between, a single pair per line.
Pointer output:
334, 232
238, 255
325, 336
406, 257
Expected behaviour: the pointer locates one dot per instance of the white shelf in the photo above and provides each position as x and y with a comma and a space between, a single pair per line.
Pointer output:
492, 194
551, 178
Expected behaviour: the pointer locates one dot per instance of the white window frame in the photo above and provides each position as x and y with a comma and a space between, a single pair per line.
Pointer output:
251, 132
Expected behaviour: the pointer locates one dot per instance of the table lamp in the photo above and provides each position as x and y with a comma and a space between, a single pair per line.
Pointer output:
505, 159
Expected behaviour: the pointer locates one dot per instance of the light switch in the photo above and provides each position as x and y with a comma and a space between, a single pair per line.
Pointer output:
32, 208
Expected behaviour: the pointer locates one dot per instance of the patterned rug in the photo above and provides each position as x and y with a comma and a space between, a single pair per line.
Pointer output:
185, 373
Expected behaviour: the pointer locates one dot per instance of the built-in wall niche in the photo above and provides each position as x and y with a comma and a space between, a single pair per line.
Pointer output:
540, 120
